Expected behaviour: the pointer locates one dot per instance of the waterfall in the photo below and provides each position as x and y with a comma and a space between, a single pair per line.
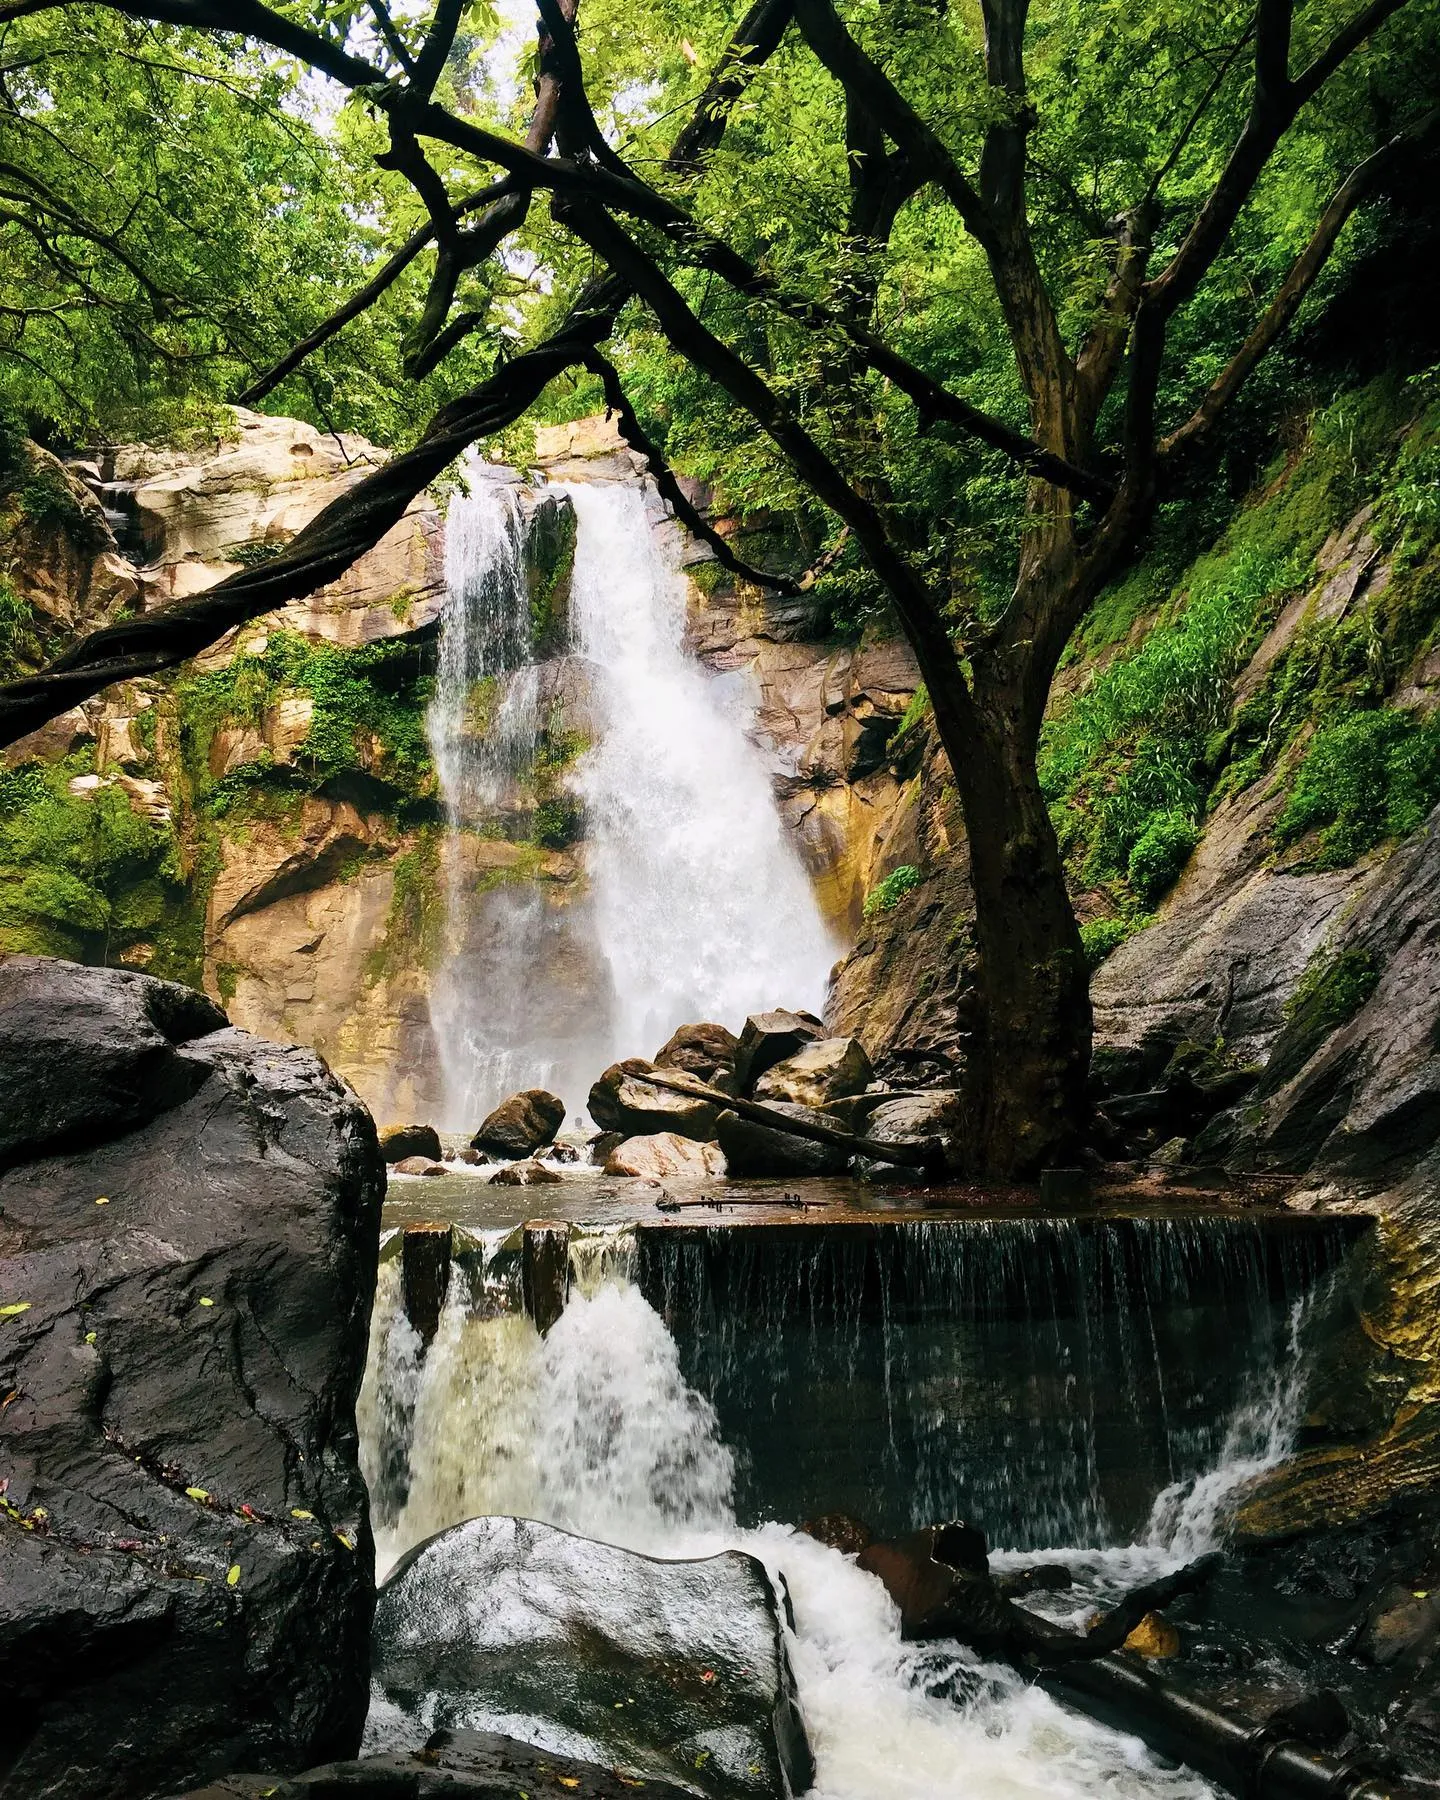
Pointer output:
699, 903
690, 902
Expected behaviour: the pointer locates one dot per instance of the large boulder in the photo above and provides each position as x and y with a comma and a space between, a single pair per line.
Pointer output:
753, 1150
618, 1102
521, 1125
665, 1670
666, 1156
705, 1051
917, 1121
401, 1142
528, 1173
768, 1038
829, 1069
189, 1223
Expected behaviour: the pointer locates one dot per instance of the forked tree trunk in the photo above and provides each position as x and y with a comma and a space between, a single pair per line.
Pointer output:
1029, 1056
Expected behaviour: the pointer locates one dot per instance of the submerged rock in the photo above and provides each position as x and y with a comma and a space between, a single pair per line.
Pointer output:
829, 1069
402, 1141
705, 1051
674, 1671
525, 1174
768, 1038
187, 1259
620, 1103
665, 1154
521, 1125
758, 1150
454, 1765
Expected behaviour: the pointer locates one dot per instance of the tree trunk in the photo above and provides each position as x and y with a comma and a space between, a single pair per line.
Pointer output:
1030, 1049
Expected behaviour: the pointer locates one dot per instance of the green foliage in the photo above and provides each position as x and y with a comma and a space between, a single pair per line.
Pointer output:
918, 709
80, 875
368, 718
888, 894
559, 822
1367, 777
1128, 752
253, 556
415, 924
1098, 937
1160, 853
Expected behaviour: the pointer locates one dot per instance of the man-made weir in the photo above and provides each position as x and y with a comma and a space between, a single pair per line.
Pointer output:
1101, 1388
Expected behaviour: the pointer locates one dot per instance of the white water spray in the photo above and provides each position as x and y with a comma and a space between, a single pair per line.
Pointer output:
692, 903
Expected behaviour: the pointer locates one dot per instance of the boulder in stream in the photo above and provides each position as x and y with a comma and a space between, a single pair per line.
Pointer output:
931, 1116
189, 1222
768, 1038
618, 1102
418, 1165
665, 1155
671, 1671
757, 1150
401, 1141
834, 1068
529, 1173
521, 1125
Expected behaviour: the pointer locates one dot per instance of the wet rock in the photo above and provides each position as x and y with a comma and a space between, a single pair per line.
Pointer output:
753, 1150
545, 1270
190, 1223
1154, 1638
666, 1154
602, 1143
768, 1038
915, 1120
521, 1125
1403, 1626
425, 1254
705, 1051
840, 1531
620, 1103
454, 1765
418, 1165
829, 1069
663, 1670
402, 1141
471, 1157
1319, 1718
529, 1173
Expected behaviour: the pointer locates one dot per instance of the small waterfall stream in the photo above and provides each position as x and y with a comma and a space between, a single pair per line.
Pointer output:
690, 901
621, 1424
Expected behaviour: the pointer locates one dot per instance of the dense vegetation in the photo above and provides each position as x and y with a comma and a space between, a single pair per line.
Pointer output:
960, 293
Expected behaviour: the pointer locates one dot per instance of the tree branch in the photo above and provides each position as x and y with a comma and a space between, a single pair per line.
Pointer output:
1357, 187
323, 551
439, 41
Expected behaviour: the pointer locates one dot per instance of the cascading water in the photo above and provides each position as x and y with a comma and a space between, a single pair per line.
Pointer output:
615, 1425
692, 903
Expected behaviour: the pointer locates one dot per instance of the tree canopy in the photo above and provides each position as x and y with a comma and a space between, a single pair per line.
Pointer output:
962, 288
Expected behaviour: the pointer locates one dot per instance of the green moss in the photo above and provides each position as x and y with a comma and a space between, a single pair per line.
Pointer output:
1331, 991
254, 555
888, 894
918, 709
559, 822
414, 933
227, 980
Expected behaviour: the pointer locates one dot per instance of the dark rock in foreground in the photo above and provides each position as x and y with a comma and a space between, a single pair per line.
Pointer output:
401, 1142
674, 1671
521, 1125
188, 1228
753, 1150
454, 1765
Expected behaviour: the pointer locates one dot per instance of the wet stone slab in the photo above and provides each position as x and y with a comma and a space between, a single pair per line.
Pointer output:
672, 1671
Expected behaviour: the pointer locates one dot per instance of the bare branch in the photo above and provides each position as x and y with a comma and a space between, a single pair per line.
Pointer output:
330, 544
439, 41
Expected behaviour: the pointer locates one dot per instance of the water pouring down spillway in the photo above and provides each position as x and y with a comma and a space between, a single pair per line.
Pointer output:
709, 1387
682, 896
